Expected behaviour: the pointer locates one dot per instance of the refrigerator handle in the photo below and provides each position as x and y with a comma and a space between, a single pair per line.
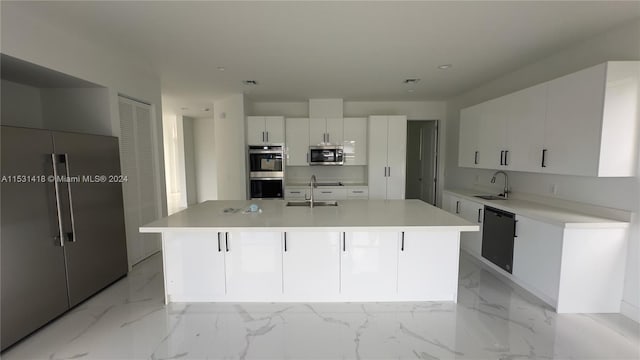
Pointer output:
70, 235
56, 185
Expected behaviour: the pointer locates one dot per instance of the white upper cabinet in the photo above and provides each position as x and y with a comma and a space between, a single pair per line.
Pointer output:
297, 147
387, 156
355, 141
323, 131
592, 121
265, 130
584, 123
468, 140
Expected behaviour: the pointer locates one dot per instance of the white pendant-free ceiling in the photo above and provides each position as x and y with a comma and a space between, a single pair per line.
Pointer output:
350, 50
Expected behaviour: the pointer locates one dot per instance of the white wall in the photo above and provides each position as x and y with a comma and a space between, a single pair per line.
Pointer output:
205, 159
230, 147
621, 43
21, 105
84, 110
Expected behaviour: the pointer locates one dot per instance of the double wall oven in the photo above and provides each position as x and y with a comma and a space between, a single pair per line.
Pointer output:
266, 172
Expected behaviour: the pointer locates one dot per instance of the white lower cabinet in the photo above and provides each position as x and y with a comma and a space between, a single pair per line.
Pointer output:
324, 193
253, 265
537, 253
311, 265
428, 265
196, 268
369, 265
296, 193
470, 211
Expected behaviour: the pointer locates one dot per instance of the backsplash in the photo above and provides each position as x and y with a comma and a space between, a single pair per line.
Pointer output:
346, 174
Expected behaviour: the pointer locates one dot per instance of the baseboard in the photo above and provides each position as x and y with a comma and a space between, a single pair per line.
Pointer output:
629, 310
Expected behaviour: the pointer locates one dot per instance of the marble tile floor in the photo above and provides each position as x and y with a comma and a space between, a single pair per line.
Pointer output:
492, 320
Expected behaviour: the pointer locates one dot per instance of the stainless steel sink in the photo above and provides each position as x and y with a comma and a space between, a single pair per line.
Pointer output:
490, 197
315, 203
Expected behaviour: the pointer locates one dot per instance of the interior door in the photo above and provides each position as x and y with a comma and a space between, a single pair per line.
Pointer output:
96, 255
34, 287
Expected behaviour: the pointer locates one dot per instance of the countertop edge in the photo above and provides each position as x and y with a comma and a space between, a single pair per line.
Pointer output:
434, 228
603, 224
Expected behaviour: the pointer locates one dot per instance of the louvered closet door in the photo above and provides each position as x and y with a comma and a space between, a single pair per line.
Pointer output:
141, 197
147, 185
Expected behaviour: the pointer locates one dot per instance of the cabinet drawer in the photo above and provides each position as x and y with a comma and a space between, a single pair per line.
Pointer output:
296, 193
360, 192
324, 193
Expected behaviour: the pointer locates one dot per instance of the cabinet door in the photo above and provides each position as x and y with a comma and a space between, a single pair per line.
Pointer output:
194, 265
253, 264
311, 265
492, 134
296, 193
468, 138
317, 131
369, 265
428, 266
396, 157
358, 192
537, 251
255, 130
526, 114
335, 131
574, 122
448, 202
297, 142
274, 127
473, 212
377, 157
355, 141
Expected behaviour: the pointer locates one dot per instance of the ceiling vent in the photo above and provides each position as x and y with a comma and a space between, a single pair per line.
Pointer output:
250, 82
411, 81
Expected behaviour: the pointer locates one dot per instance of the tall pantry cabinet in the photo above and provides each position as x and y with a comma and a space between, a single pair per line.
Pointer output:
387, 156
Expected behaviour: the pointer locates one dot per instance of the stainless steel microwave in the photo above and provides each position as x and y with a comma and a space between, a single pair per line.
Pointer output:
326, 155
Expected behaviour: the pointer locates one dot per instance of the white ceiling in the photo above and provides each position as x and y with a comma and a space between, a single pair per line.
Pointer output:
350, 50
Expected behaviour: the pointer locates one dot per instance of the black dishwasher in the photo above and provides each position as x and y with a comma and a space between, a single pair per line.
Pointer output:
498, 232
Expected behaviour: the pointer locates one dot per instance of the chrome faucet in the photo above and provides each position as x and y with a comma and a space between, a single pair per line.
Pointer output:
506, 191
313, 183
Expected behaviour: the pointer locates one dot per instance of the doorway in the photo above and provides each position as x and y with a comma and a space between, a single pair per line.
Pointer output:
422, 160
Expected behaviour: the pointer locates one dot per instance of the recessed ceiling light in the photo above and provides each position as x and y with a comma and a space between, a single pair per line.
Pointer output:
220, 68
444, 66
411, 81
206, 109
250, 82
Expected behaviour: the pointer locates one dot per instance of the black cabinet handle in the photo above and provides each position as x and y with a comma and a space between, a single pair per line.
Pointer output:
479, 213
402, 242
515, 225
226, 241
389, 171
326, 192
267, 136
475, 158
457, 207
506, 157
285, 242
502, 157
344, 242
219, 248
544, 155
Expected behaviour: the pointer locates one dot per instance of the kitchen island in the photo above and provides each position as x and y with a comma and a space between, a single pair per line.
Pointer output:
360, 250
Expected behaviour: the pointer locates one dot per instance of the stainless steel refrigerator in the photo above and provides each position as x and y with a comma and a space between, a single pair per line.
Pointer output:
61, 241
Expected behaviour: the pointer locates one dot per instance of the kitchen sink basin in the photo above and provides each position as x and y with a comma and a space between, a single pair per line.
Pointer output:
490, 197
315, 203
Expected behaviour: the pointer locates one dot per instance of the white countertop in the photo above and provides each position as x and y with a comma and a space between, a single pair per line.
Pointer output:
539, 211
344, 185
349, 215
